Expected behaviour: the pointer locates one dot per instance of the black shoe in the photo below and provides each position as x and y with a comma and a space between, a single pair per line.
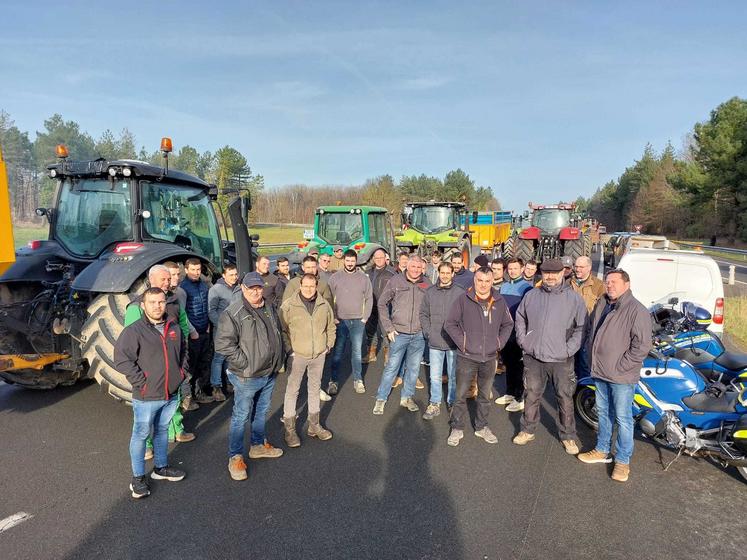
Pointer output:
168, 473
139, 487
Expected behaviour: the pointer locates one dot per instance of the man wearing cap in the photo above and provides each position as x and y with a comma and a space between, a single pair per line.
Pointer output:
250, 336
567, 268
336, 263
549, 329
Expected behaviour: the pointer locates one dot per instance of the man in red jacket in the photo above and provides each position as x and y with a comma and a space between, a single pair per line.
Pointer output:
479, 323
152, 354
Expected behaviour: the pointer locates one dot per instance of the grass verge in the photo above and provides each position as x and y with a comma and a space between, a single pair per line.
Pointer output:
735, 319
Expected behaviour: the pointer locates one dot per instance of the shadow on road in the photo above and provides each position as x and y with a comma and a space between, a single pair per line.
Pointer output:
14, 398
334, 499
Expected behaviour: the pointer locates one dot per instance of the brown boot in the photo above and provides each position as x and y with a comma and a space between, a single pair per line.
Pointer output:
316, 430
371, 356
291, 437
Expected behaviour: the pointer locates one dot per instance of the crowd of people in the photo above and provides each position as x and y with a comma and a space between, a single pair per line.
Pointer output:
187, 343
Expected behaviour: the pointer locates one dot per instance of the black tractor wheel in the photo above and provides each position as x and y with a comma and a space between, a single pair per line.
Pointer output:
508, 248
524, 249
585, 400
574, 248
103, 326
587, 245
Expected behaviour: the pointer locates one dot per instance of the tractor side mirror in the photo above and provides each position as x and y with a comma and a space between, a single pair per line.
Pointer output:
44, 212
246, 205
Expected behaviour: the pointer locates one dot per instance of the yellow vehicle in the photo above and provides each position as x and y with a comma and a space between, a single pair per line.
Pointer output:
7, 247
490, 231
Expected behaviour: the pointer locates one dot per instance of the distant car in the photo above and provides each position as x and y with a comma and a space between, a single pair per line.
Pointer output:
691, 275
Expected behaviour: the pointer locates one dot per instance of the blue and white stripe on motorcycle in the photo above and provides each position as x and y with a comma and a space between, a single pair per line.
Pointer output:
656, 402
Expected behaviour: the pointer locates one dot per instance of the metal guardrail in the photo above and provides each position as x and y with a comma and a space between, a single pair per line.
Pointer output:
704, 247
280, 245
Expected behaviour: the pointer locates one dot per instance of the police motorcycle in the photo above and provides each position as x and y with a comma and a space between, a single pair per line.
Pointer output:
674, 406
687, 324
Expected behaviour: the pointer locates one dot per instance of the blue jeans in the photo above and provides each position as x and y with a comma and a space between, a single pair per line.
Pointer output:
352, 329
216, 369
407, 348
147, 415
614, 406
245, 389
437, 368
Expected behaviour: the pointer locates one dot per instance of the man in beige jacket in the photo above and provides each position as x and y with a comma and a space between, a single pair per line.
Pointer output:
308, 327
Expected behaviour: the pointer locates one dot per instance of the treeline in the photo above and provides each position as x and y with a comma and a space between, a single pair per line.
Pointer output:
698, 193
30, 187
296, 203
26, 160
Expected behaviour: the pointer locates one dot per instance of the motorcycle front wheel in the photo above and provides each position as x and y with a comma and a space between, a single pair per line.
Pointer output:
584, 400
742, 471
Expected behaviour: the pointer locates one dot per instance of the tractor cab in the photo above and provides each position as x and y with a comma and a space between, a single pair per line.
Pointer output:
551, 221
433, 218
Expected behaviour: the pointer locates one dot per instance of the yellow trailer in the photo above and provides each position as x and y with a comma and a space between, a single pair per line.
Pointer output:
490, 231
7, 246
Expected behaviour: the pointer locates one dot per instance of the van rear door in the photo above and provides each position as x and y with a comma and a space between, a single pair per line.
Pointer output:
651, 278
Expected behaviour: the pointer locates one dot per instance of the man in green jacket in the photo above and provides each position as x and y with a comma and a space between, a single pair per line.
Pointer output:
308, 327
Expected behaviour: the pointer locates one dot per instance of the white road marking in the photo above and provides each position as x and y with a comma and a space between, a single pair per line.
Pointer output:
731, 263
600, 268
13, 520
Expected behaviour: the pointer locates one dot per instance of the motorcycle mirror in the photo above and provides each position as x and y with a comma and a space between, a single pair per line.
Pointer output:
674, 301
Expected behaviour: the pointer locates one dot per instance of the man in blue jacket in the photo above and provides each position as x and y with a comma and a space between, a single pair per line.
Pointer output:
549, 329
479, 323
513, 291
200, 354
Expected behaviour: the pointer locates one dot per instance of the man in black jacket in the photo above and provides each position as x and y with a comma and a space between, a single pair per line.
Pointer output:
479, 323
250, 336
152, 354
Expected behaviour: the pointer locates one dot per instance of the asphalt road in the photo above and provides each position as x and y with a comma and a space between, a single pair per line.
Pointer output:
383, 487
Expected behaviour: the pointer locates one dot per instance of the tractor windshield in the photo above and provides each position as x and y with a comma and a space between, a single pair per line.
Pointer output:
551, 220
433, 219
183, 215
340, 228
92, 214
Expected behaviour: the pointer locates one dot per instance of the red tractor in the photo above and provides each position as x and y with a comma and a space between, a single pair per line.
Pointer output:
554, 232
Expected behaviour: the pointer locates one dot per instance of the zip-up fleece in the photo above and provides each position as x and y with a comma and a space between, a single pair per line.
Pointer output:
307, 335
479, 334
243, 339
433, 312
406, 298
153, 363
550, 323
322, 288
352, 293
220, 297
618, 347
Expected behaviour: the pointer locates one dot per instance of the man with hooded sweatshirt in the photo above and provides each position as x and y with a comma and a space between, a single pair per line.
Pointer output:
353, 297
549, 329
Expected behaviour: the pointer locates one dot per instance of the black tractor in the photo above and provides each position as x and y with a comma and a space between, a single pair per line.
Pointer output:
62, 303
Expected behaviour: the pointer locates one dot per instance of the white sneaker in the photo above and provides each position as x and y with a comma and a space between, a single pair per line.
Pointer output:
515, 406
359, 387
455, 437
323, 396
505, 399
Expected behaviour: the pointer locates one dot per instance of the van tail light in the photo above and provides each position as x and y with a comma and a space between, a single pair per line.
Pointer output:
718, 313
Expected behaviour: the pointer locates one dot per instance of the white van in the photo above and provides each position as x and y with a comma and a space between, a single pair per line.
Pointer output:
655, 273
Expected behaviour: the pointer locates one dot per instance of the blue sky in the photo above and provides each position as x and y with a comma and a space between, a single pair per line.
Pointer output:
539, 100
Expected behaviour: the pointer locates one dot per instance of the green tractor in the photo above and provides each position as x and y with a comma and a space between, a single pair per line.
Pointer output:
362, 228
431, 226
